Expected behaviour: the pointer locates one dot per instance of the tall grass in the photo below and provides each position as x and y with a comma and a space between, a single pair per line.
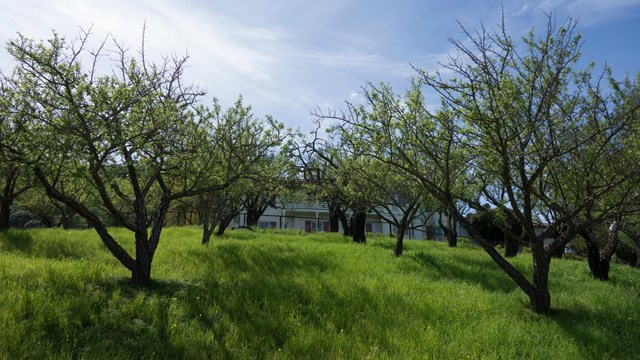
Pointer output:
285, 295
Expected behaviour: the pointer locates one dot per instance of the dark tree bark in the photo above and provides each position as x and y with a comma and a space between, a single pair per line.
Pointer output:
559, 252
399, 241
141, 272
538, 292
347, 228
207, 230
511, 246
9, 194
402, 226
358, 225
634, 236
256, 205
5, 212
334, 216
216, 209
450, 230
540, 298
224, 224
253, 217
599, 260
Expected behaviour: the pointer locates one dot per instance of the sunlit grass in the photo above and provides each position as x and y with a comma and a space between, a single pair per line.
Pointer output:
289, 295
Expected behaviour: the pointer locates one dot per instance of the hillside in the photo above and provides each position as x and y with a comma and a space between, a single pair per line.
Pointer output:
270, 295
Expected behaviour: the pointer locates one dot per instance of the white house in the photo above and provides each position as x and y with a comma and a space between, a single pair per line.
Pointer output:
314, 216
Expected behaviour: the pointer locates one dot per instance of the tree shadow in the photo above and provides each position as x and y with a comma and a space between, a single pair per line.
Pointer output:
274, 293
464, 269
16, 241
595, 330
23, 243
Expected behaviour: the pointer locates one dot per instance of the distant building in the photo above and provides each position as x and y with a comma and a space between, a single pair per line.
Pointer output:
313, 217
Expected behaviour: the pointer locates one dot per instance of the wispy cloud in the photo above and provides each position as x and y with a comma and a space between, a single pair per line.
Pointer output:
284, 56
591, 12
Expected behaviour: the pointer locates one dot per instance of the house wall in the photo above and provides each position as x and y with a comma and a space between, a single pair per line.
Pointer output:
312, 217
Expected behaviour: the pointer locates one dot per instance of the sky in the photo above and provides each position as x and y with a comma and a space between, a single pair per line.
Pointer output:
289, 57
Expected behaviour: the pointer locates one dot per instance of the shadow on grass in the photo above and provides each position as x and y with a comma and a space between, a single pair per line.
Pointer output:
465, 269
23, 242
273, 295
16, 241
596, 330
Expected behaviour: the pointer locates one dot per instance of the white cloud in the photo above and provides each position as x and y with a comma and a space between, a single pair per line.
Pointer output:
589, 12
285, 57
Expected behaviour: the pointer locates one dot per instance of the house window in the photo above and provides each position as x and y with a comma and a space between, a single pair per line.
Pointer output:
309, 226
326, 226
267, 225
369, 227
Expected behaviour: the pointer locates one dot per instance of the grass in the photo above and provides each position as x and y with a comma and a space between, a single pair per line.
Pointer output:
285, 295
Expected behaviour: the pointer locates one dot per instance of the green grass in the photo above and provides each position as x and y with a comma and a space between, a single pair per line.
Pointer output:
287, 296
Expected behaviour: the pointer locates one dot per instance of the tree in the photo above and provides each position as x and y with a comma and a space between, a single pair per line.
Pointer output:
133, 136
594, 178
48, 211
275, 181
490, 224
243, 142
356, 195
14, 176
217, 209
511, 117
632, 240
401, 133
397, 199
527, 117
318, 166
318, 178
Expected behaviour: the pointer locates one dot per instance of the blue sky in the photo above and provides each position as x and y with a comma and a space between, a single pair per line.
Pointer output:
288, 57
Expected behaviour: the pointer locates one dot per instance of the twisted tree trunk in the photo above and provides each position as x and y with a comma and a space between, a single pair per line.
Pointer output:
358, 225
599, 260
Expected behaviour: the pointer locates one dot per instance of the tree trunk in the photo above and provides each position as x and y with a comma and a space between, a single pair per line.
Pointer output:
207, 231
453, 235
599, 261
358, 226
253, 215
598, 269
224, 224
593, 254
538, 292
452, 238
612, 244
540, 299
5, 212
346, 228
511, 243
256, 206
334, 217
559, 252
635, 241
511, 246
450, 230
399, 241
141, 272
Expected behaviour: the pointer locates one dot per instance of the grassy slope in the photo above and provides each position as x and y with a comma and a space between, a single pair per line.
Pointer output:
288, 296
